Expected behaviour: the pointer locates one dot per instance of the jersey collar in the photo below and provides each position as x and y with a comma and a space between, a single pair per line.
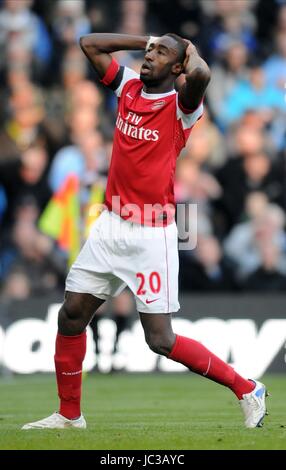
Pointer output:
155, 96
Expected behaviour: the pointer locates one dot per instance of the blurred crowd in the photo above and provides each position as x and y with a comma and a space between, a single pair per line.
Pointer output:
57, 120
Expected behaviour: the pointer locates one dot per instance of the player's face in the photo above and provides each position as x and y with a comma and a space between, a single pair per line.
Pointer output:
161, 61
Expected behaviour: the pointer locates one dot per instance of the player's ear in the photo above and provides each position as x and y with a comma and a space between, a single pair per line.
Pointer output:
177, 68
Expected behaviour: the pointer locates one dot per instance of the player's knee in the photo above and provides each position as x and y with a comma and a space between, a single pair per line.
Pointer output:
159, 343
69, 320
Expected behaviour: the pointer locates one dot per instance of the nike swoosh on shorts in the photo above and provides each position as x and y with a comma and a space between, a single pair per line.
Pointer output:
151, 301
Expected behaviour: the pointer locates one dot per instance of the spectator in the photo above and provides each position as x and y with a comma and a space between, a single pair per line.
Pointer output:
251, 170
253, 94
207, 270
133, 17
227, 74
243, 245
23, 126
228, 21
81, 159
70, 21
25, 179
206, 145
30, 254
23, 35
268, 276
275, 65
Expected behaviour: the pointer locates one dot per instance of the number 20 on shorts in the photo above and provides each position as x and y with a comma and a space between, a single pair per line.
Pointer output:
154, 281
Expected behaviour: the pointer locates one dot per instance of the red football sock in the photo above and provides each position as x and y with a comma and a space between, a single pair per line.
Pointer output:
69, 356
200, 360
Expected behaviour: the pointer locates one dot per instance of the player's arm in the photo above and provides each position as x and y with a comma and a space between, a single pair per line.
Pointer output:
98, 47
197, 78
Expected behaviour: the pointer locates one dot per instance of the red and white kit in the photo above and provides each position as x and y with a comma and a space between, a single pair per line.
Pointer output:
134, 242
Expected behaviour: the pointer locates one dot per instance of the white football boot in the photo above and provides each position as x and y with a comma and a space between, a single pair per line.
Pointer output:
253, 406
57, 421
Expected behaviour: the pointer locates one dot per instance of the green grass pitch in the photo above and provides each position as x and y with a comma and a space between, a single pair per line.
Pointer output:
176, 411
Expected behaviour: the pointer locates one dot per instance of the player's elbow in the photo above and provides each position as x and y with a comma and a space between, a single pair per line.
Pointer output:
83, 42
87, 45
206, 74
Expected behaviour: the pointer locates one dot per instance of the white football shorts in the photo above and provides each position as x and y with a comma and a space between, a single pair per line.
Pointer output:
119, 253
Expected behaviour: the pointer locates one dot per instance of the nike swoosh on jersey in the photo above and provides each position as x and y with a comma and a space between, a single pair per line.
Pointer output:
151, 301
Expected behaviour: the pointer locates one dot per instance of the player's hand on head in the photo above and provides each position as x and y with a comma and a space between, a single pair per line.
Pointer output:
189, 51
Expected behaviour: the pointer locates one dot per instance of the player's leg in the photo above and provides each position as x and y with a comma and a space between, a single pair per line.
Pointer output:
158, 332
156, 295
89, 283
162, 340
74, 316
77, 312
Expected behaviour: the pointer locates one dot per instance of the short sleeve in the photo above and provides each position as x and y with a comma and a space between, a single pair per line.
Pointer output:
117, 76
128, 74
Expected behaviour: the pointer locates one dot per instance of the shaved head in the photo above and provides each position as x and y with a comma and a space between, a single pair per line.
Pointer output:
181, 46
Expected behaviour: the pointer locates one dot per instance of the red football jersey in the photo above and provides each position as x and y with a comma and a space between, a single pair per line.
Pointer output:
151, 130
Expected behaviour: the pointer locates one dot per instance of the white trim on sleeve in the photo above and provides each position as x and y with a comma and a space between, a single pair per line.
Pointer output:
190, 119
